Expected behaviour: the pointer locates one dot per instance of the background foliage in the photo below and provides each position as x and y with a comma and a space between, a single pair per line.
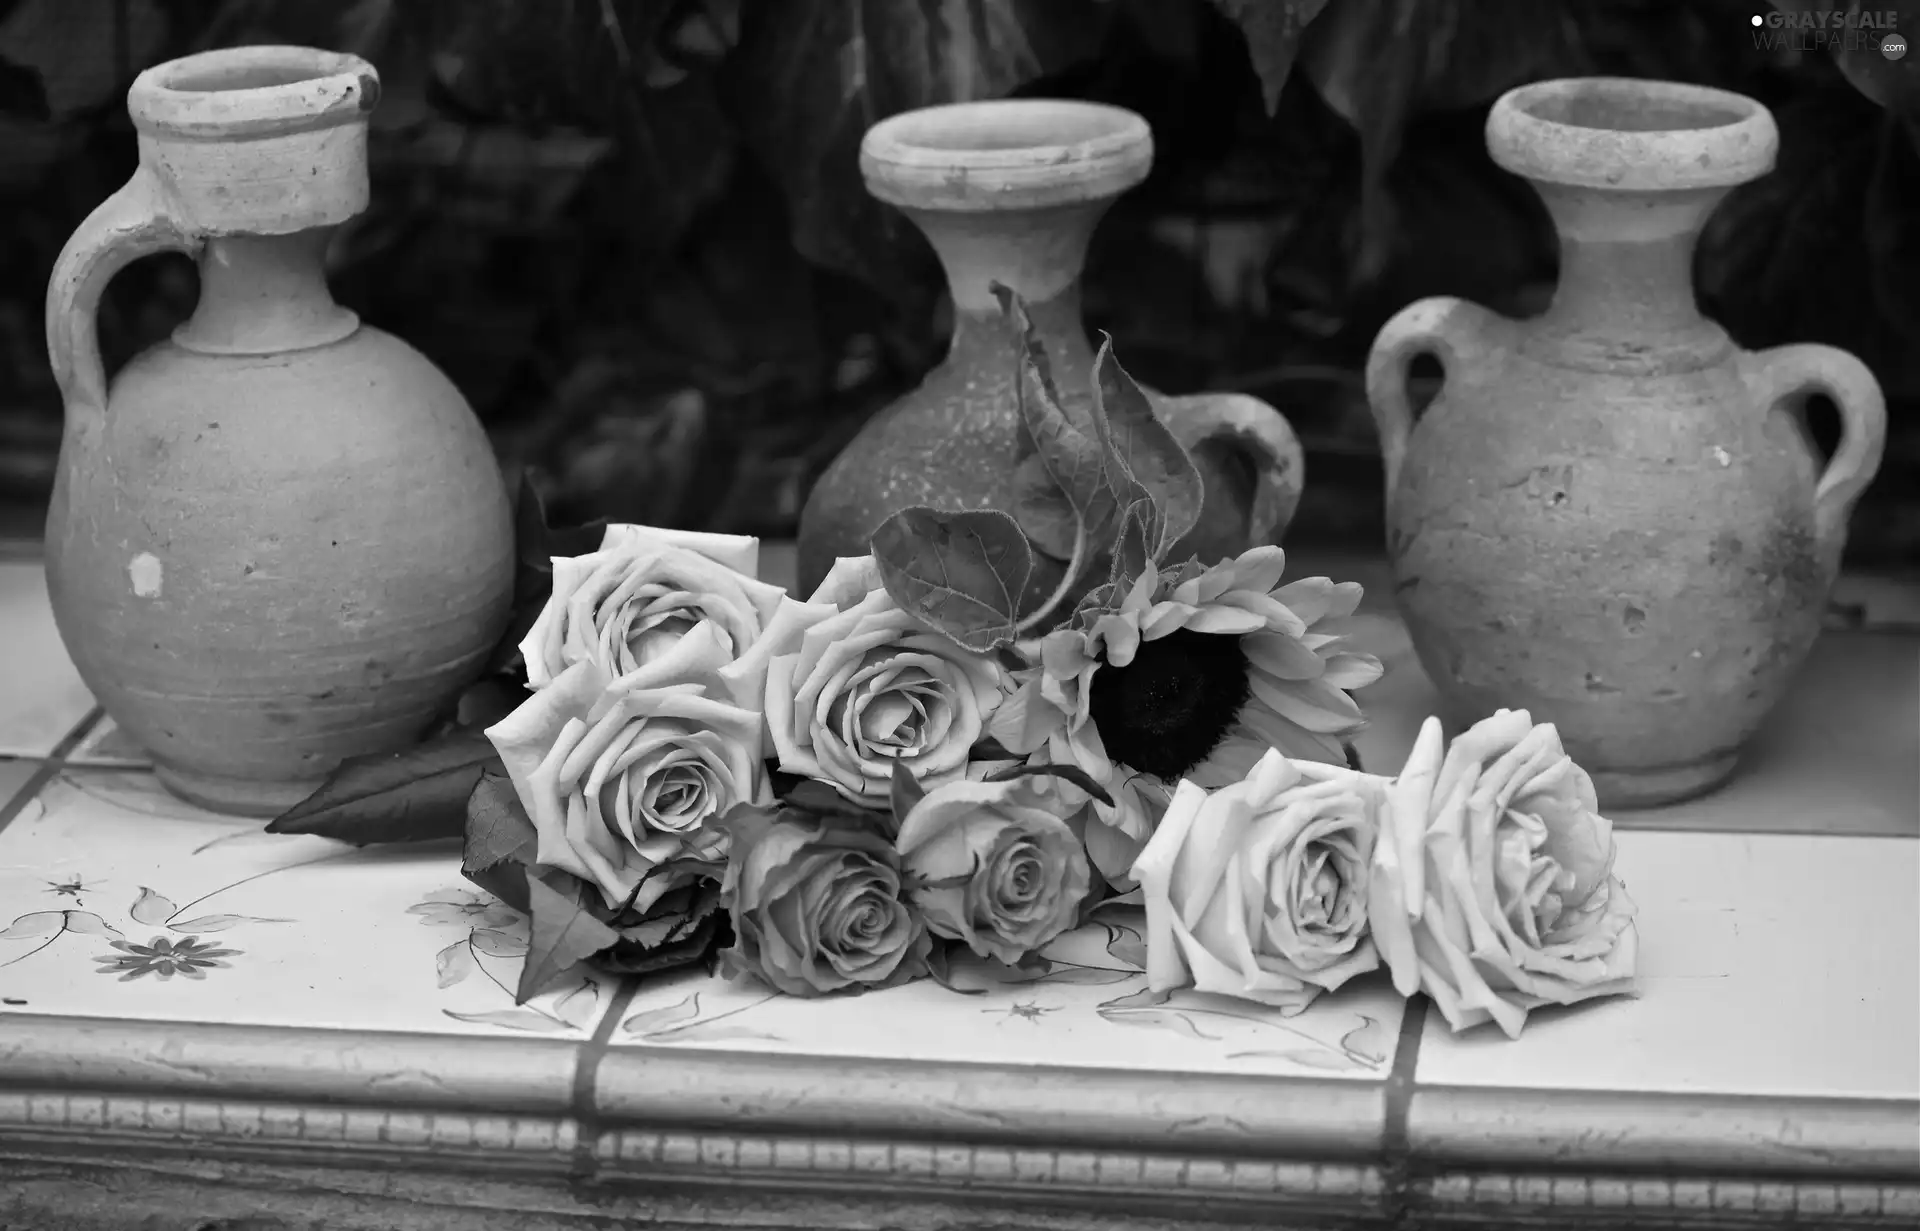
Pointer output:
633, 231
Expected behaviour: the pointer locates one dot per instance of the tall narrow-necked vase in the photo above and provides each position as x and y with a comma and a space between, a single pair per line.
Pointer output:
1009, 192
1612, 515
281, 539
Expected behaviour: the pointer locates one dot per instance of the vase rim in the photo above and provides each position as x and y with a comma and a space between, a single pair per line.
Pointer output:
255, 91
1015, 153
1631, 135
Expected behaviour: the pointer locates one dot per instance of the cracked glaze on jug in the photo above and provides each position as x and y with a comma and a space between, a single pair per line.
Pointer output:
1611, 515
283, 539
1010, 191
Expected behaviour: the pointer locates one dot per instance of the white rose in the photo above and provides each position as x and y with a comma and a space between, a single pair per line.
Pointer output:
623, 775
1259, 889
1492, 886
627, 603
870, 686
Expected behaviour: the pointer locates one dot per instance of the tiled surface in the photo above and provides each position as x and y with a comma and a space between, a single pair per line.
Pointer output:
1771, 964
1092, 1009
1775, 964
41, 695
304, 931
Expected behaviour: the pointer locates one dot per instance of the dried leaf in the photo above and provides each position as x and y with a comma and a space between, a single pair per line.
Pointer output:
151, 908
498, 828
453, 963
413, 796
1151, 453
962, 573
1089, 976
564, 933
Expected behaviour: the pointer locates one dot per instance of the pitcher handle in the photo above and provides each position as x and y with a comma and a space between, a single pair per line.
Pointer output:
1454, 331
1257, 432
1782, 375
138, 220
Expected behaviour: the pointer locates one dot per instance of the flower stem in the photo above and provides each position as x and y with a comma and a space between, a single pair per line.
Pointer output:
1075, 563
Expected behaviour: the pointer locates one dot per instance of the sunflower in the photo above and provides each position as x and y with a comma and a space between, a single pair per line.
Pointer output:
1193, 673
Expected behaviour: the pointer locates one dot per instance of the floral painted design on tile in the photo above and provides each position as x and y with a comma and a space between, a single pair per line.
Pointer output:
163, 957
47, 926
150, 909
681, 1022
496, 933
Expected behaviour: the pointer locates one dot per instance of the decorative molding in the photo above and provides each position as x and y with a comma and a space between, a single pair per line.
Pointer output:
1231, 1115
1663, 1132
1542, 1200
625, 1128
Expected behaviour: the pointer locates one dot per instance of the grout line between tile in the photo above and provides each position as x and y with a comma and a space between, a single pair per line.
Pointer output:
1398, 1092
49, 766
586, 1071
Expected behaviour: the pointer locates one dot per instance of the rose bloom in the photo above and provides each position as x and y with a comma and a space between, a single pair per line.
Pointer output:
1197, 675
870, 686
1259, 890
622, 775
991, 865
1493, 887
816, 903
626, 604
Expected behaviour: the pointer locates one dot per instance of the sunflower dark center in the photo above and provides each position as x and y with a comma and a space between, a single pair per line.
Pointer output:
1170, 707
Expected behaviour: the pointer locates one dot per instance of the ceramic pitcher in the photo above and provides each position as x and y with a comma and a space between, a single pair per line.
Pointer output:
1611, 515
1010, 191
281, 539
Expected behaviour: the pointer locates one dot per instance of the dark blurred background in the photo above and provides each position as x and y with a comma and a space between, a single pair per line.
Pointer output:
633, 231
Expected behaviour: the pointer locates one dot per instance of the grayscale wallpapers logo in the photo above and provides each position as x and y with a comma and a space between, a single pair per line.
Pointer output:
1831, 30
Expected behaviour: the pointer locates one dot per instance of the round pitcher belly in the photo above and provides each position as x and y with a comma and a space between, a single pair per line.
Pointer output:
282, 539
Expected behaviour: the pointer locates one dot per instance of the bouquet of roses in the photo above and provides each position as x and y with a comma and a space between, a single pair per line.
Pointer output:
967, 740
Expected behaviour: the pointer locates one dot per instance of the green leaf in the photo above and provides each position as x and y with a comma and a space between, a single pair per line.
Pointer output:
1273, 29
1133, 549
1070, 773
1045, 514
498, 827
413, 796
1074, 483
1149, 451
564, 932
906, 792
961, 573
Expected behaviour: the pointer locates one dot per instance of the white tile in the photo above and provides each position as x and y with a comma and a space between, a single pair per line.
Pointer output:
1087, 1014
42, 697
319, 934
1771, 964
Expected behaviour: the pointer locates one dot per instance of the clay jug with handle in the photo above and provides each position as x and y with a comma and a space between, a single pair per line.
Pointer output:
1611, 515
281, 539
1009, 192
